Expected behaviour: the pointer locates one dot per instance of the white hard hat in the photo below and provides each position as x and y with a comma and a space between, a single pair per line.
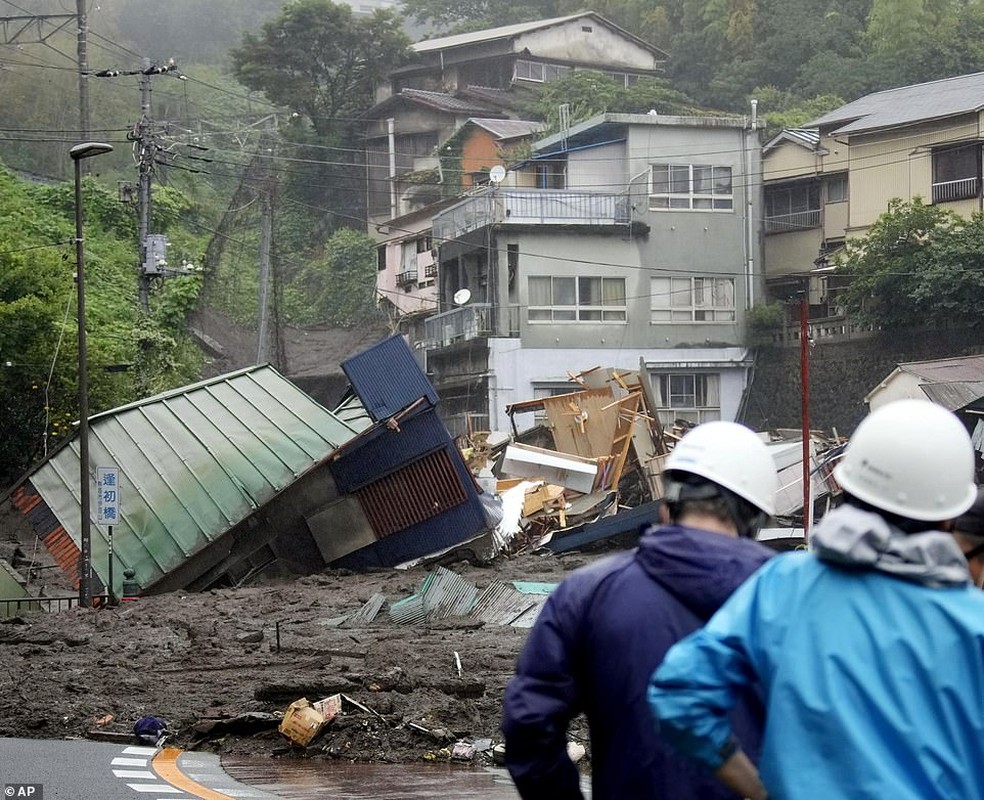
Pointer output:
731, 456
912, 458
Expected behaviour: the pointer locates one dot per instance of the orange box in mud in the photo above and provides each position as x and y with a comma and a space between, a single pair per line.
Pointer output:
302, 722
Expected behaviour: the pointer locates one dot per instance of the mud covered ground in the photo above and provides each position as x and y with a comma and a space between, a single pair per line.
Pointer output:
210, 665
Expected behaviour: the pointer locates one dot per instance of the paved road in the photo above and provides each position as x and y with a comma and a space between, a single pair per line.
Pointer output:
82, 770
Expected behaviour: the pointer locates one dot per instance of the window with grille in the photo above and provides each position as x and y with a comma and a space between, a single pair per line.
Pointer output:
956, 173
792, 207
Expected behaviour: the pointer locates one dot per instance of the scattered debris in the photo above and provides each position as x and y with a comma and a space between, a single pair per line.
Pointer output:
302, 722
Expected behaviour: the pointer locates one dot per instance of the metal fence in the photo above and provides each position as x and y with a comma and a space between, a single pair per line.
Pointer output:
531, 207
12, 606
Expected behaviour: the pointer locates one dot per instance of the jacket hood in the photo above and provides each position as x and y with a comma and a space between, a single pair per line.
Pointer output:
860, 539
699, 568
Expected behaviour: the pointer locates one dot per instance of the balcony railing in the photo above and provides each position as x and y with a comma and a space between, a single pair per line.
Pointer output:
962, 189
531, 207
473, 321
798, 221
406, 278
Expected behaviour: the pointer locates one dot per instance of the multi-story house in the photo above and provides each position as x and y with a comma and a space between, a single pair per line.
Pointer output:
418, 156
627, 241
832, 181
406, 256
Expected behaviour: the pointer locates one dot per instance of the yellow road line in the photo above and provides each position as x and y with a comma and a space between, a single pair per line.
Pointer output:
165, 764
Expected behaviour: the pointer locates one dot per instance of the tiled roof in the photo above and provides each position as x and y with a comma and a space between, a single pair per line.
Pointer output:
907, 105
445, 102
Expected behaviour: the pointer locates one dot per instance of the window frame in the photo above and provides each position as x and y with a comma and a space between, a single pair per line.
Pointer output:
793, 216
577, 310
689, 313
691, 200
966, 187
700, 410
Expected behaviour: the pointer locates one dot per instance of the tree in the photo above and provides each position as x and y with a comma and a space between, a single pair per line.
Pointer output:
339, 288
919, 265
321, 60
588, 93
474, 15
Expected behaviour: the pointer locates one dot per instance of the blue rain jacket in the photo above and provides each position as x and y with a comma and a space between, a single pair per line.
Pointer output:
592, 650
873, 676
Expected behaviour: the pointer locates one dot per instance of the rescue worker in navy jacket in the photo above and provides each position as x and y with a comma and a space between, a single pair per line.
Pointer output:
609, 624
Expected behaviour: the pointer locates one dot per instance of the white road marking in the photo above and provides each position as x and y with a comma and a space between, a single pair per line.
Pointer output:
129, 762
135, 774
140, 751
153, 787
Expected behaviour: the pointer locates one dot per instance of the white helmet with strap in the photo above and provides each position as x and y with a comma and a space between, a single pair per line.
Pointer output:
911, 458
731, 456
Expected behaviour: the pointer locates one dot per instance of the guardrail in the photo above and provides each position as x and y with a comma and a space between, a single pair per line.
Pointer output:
11, 606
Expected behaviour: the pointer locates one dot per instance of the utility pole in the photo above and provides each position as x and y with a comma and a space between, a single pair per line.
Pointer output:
152, 249
82, 53
145, 163
266, 236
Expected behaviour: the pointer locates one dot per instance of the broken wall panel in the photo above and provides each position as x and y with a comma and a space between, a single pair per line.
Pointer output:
566, 470
584, 423
397, 493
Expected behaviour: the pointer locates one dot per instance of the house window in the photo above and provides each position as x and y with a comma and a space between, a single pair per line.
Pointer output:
793, 207
584, 299
381, 257
694, 397
956, 173
424, 244
836, 186
692, 299
690, 187
538, 72
408, 264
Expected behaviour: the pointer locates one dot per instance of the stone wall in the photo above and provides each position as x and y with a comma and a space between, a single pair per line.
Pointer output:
841, 374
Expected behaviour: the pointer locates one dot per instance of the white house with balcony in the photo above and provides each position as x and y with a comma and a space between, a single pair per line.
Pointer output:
629, 241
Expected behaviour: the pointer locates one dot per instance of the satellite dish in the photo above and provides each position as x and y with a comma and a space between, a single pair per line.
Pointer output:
461, 297
497, 173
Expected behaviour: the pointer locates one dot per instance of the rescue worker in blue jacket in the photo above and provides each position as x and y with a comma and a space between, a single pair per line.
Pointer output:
607, 625
869, 650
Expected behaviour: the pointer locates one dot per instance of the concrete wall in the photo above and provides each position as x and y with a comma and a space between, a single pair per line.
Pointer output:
841, 374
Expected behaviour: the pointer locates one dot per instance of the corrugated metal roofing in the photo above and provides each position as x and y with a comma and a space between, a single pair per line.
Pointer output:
508, 128
443, 594
947, 370
193, 462
518, 29
804, 137
489, 34
388, 378
517, 604
955, 395
907, 105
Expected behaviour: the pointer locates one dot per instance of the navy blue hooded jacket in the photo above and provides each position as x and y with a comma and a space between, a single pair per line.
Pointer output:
593, 649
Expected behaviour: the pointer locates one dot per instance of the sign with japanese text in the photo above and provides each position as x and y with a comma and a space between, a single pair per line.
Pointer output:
107, 495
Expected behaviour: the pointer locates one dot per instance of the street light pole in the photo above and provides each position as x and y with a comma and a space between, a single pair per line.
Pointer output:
78, 153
